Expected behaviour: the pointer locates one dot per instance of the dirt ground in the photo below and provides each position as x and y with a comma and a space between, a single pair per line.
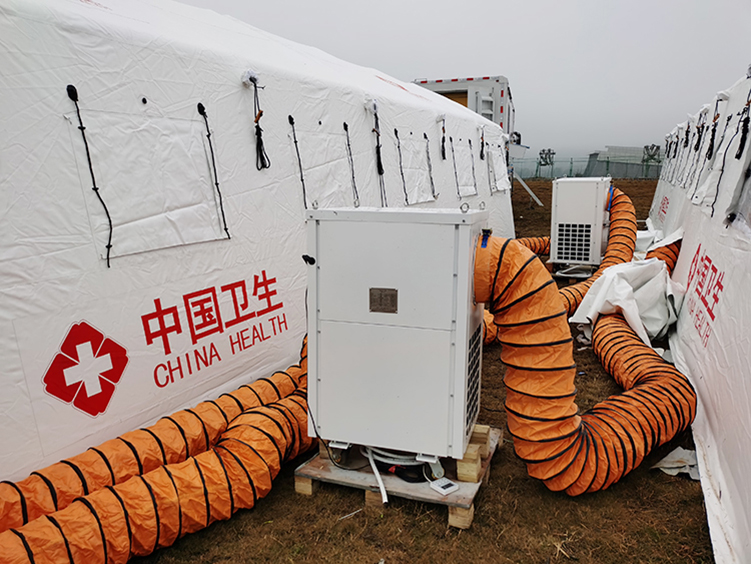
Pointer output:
648, 517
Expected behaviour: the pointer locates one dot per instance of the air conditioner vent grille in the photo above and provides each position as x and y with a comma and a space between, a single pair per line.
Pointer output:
473, 380
574, 242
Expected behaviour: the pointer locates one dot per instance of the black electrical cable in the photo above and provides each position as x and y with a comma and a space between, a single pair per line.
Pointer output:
456, 174
379, 157
682, 157
401, 166
725, 130
744, 136
262, 159
73, 95
472, 160
202, 112
699, 133
725, 155
351, 160
430, 166
674, 158
685, 157
325, 444
443, 138
698, 154
710, 149
299, 161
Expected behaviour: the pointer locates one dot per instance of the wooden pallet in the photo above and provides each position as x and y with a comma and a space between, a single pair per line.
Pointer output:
475, 468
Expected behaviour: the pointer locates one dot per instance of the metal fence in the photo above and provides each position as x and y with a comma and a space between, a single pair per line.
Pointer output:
585, 166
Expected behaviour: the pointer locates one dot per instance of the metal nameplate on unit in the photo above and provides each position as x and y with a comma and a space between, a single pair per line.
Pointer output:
384, 300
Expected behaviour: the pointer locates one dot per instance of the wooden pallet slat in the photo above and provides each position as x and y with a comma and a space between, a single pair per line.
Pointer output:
460, 502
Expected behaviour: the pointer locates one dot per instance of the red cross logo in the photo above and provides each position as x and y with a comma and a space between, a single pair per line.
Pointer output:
86, 369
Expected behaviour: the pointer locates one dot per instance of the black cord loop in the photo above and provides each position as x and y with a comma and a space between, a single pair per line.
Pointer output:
379, 158
299, 161
202, 112
401, 166
430, 166
443, 138
262, 159
73, 95
351, 160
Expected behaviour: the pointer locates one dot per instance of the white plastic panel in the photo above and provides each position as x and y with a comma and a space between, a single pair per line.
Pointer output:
405, 259
379, 401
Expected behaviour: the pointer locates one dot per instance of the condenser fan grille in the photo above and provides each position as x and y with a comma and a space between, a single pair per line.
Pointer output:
574, 242
473, 379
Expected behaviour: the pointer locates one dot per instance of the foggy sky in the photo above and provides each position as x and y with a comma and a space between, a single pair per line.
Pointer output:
584, 73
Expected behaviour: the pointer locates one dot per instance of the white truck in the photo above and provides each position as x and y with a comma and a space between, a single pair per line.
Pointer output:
489, 96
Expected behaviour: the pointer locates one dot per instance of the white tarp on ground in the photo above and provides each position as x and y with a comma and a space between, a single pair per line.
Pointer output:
704, 190
205, 290
641, 290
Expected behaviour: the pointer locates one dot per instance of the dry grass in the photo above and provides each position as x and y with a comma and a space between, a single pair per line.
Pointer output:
648, 517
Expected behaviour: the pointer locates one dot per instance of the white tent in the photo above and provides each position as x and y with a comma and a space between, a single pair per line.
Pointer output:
705, 191
202, 288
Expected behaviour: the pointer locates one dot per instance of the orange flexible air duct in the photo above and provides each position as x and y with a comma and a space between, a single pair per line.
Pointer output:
567, 451
668, 254
153, 509
620, 249
538, 245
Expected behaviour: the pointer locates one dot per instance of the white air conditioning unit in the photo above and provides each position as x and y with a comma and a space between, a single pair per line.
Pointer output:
579, 220
394, 334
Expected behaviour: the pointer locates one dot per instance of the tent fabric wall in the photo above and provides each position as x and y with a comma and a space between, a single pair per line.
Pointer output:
702, 182
186, 308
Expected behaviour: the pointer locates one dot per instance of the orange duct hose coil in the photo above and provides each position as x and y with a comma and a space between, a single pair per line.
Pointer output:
668, 254
620, 249
226, 461
571, 452
538, 245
